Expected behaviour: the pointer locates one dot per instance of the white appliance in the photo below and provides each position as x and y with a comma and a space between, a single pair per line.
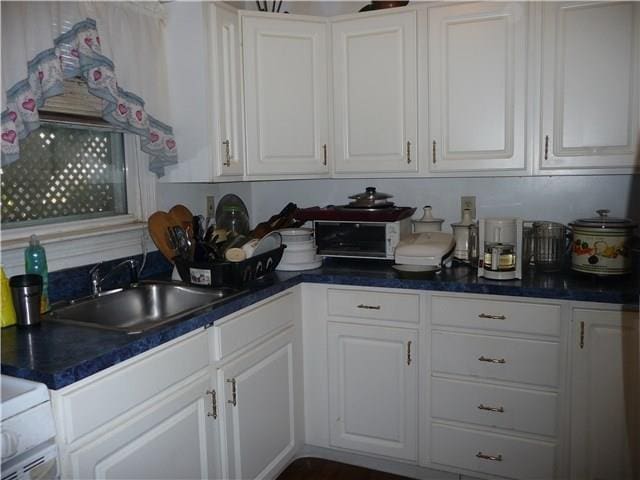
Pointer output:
428, 249
500, 248
28, 431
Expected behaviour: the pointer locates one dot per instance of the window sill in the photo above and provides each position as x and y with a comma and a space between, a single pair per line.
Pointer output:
80, 243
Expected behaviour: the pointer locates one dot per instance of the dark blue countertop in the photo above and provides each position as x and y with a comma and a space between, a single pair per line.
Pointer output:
59, 355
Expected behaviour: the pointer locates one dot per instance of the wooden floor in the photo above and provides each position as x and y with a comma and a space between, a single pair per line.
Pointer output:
319, 469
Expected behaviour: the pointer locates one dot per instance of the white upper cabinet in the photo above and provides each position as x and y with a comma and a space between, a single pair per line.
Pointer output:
286, 95
590, 82
226, 74
476, 79
187, 30
375, 94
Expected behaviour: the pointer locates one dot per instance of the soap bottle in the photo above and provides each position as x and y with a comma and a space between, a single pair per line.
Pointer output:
35, 260
7, 312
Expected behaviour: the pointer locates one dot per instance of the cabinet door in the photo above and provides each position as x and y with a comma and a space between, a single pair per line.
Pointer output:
186, 37
590, 103
286, 99
227, 70
375, 94
259, 404
373, 378
173, 438
477, 86
605, 396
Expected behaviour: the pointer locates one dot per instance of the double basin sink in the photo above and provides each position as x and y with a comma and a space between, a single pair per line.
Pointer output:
140, 307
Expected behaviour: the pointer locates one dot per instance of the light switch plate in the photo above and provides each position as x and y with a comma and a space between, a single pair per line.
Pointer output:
470, 203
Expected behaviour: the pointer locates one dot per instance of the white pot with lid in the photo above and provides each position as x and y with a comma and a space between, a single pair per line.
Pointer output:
602, 245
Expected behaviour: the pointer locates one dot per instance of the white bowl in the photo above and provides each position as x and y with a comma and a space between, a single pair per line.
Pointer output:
299, 256
300, 246
267, 243
295, 235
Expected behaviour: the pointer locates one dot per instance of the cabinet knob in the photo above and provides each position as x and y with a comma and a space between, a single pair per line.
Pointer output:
546, 147
214, 404
227, 153
369, 307
491, 409
492, 317
234, 392
492, 360
495, 458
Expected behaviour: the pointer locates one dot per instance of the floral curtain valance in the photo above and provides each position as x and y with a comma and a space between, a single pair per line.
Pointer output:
77, 53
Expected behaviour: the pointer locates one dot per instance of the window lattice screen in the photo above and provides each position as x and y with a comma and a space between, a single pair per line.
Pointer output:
64, 173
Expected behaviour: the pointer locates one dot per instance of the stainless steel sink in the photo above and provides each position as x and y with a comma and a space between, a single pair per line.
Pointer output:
140, 307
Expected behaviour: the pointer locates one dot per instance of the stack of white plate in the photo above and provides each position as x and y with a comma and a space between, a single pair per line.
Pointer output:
300, 253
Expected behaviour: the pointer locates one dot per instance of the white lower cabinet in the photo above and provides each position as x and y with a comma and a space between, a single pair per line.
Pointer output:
373, 389
144, 418
257, 392
478, 385
171, 439
605, 394
496, 386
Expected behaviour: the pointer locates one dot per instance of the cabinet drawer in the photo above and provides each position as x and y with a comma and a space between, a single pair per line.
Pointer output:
506, 316
510, 359
237, 332
401, 307
512, 457
90, 406
526, 411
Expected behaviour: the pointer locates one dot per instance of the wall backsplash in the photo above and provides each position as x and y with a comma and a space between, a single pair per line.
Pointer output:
558, 198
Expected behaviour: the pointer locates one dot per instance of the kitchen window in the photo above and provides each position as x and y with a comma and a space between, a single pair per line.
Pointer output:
68, 171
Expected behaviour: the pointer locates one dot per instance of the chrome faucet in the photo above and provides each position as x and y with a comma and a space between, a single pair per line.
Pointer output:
97, 281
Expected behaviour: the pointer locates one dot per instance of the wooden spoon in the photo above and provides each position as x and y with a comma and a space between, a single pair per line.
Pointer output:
159, 225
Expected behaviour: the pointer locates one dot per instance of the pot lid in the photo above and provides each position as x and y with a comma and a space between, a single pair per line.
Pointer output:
603, 220
370, 197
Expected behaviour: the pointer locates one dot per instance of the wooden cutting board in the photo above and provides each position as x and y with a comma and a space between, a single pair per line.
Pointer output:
159, 224
184, 218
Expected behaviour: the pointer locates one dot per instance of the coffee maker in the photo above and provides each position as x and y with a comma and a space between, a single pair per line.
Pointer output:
500, 248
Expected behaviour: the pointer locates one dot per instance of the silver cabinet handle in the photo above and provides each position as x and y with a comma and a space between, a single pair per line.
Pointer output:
369, 307
409, 352
492, 317
234, 392
491, 409
495, 458
324, 154
546, 147
227, 153
433, 152
214, 404
492, 360
408, 152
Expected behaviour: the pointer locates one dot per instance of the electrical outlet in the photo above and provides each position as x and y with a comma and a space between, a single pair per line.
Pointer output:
211, 207
470, 203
